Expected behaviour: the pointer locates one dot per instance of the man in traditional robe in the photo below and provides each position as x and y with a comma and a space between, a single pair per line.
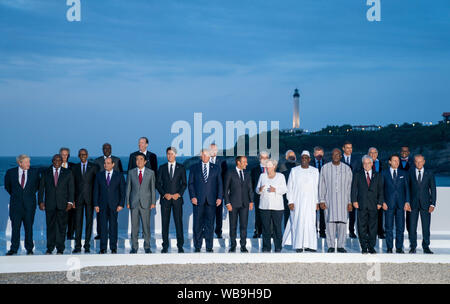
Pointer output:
303, 202
334, 195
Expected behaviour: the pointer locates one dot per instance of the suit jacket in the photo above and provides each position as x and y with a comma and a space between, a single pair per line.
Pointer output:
355, 163
381, 167
152, 162
395, 191
112, 195
209, 191
424, 194
177, 184
237, 193
408, 165
22, 199
367, 197
56, 197
84, 185
99, 161
221, 162
313, 163
143, 194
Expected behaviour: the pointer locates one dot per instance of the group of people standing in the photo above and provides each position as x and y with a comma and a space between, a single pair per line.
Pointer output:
348, 188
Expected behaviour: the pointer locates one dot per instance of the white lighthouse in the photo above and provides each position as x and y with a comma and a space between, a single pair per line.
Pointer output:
296, 116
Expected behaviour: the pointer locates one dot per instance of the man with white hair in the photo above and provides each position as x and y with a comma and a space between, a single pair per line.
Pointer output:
255, 173
22, 183
334, 194
303, 198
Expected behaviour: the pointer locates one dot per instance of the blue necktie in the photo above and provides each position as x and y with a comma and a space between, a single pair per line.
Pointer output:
205, 173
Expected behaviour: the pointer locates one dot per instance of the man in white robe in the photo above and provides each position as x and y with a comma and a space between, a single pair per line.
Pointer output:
303, 201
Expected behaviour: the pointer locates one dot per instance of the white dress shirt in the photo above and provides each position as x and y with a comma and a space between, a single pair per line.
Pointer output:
239, 174
173, 166
213, 159
20, 176
110, 174
85, 167
140, 170
421, 173
348, 159
370, 174
392, 172
271, 200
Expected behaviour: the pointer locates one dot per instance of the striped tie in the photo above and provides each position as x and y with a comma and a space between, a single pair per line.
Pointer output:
205, 173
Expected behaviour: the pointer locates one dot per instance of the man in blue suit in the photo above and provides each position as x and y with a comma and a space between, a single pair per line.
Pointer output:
222, 165
22, 183
205, 192
422, 189
396, 195
109, 200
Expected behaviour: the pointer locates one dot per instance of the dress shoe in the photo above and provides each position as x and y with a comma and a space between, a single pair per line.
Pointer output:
381, 236
372, 251
341, 250
197, 250
60, 252
97, 237
389, 250
277, 250
243, 249
427, 251
412, 250
312, 250
30, 252
76, 250
330, 249
164, 250
180, 250
87, 250
323, 235
399, 250
255, 235
299, 250
133, 251
11, 252
113, 251
232, 249
102, 251
48, 252
364, 251
353, 235
148, 250
209, 250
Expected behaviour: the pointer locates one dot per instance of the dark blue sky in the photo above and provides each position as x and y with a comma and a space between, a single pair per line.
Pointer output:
132, 68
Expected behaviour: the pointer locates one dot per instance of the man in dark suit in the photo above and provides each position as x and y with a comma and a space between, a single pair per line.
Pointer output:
151, 159
396, 194
406, 163
238, 192
317, 162
171, 184
109, 200
422, 188
65, 154
378, 168
222, 164
22, 183
56, 196
206, 192
255, 173
285, 168
84, 177
367, 197
355, 164
100, 161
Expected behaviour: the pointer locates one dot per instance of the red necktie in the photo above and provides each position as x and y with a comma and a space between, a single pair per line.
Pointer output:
22, 182
140, 177
56, 177
368, 179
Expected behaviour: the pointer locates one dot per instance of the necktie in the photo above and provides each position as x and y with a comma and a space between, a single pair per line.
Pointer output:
22, 182
419, 178
319, 165
140, 177
395, 174
241, 175
348, 160
368, 179
55, 177
205, 173
171, 171
84, 169
108, 179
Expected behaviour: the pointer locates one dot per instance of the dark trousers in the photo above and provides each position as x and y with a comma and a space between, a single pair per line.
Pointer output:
352, 220
258, 223
322, 224
367, 228
425, 221
71, 223
177, 211
394, 215
242, 213
99, 225
380, 227
17, 218
86, 209
271, 219
287, 211
109, 228
56, 221
408, 213
204, 224
219, 219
